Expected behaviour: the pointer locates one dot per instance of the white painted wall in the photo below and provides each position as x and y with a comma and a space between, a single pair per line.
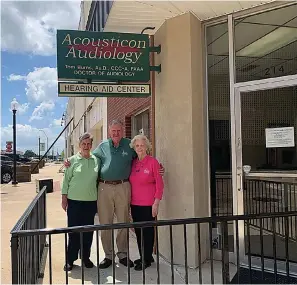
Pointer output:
104, 112
95, 114
180, 130
77, 107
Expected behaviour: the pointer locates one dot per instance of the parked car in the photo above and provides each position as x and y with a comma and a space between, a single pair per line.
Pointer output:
8, 160
6, 173
19, 157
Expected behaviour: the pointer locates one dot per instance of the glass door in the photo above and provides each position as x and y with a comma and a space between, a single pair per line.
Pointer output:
266, 171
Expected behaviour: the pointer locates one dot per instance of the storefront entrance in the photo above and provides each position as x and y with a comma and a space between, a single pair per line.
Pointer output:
264, 169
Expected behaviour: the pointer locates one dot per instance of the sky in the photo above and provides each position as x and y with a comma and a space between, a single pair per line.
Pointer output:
28, 69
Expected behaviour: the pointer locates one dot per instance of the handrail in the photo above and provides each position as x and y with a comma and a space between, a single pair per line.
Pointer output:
47, 231
29, 209
28, 245
271, 175
27, 254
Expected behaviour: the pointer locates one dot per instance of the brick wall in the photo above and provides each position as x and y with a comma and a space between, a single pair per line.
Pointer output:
124, 108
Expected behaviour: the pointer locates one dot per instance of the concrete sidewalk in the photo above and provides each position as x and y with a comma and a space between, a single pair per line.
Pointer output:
105, 275
14, 201
57, 218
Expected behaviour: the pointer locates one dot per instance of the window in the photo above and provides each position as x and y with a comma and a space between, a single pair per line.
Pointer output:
95, 20
141, 124
102, 14
219, 118
107, 5
96, 17
5, 158
265, 44
85, 123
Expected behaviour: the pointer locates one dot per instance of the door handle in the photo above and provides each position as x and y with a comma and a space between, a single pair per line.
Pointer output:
238, 142
239, 182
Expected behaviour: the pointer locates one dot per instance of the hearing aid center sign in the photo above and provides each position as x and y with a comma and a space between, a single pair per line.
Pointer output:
102, 56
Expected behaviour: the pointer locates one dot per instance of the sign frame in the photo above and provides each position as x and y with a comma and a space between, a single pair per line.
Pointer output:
103, 56
104, 93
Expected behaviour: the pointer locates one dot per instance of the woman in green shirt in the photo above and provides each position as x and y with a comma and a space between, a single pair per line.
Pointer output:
79, 199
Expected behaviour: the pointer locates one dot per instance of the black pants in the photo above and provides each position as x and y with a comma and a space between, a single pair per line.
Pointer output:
142, 214
80, 213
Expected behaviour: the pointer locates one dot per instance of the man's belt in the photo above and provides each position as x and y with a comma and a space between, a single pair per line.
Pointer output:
114, 182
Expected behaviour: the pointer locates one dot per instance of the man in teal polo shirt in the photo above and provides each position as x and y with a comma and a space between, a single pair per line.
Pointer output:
114, 191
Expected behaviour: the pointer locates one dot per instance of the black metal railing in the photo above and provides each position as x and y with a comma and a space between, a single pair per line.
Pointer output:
269, 196
223, 195
259, 196
174, 237
27, 252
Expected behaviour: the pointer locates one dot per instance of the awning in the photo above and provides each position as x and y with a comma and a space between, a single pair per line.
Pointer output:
133, 16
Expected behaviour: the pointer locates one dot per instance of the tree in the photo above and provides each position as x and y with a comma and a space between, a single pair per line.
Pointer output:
29, 153
62, 154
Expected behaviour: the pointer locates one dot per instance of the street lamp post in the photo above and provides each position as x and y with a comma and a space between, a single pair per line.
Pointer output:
39, 148
46, 140
14, 107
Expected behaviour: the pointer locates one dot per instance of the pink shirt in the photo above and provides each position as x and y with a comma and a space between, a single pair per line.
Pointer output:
146, 182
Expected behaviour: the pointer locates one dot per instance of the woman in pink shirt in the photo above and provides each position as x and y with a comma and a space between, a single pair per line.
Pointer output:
146, 193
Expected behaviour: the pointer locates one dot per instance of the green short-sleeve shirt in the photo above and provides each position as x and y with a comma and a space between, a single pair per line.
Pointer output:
80, 179
116, 162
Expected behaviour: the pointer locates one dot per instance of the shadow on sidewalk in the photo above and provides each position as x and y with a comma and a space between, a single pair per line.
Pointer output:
121, 275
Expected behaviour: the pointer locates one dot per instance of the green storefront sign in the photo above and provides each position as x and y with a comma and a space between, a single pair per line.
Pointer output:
102, 56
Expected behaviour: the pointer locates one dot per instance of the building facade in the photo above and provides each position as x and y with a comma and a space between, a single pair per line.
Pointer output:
224, 106
89, 114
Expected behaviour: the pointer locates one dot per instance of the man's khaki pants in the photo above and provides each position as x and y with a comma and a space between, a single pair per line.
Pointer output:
114, 199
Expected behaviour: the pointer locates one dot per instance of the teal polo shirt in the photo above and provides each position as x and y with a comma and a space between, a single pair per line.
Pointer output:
116, 162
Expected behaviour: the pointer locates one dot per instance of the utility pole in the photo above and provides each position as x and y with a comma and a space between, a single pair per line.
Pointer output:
14, 106
39, 148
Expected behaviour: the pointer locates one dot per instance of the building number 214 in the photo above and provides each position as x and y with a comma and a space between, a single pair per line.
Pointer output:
273, 70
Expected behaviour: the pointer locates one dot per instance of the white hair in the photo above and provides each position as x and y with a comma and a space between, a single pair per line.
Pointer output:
85, 136
143, 138
116, 122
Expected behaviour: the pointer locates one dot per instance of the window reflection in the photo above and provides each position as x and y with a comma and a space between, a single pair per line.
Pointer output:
266, 45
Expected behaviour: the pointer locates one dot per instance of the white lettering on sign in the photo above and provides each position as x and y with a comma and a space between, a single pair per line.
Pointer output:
67, 88
100, 52
280, 137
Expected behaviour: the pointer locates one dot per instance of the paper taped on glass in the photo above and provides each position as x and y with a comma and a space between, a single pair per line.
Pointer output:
279, 137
